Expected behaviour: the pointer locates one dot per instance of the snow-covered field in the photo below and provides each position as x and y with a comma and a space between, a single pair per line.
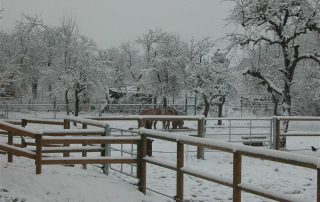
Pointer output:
19, 183
60, 183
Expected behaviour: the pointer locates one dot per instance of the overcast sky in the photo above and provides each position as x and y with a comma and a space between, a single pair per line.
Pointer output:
109, 22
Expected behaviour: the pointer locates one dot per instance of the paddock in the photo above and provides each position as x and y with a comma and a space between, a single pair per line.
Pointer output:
90, 145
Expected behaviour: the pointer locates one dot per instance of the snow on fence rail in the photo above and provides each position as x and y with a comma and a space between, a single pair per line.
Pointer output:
237, 150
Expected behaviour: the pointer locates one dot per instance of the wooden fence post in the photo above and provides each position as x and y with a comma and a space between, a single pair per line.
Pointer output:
106, 149
66, 125
180, 164
38, 153
10, 142
143, 164
236, 176
276, 133
200, 150
23, 124
140, 123
84, 153
318, 185
139, 160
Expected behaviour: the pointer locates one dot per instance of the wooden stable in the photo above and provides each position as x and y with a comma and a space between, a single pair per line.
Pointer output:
100, 137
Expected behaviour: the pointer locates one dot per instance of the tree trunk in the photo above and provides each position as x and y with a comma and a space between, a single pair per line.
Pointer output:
206, 106
165, 103
286, 111
67, 101
155, 102
275, 106
77, 102
34, 89
220, 109
287, 99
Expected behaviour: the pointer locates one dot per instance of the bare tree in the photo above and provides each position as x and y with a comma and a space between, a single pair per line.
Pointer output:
281, 24
212, 80
168, 67
133, 65
28, 33
148, 40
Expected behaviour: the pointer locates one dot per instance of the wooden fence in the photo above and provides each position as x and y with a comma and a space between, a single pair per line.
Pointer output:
65, 137
100, 136
237, 150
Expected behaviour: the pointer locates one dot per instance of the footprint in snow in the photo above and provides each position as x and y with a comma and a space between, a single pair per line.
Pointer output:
4, 190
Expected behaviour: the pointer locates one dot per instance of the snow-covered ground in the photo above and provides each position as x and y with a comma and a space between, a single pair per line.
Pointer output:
19, 183
60, 183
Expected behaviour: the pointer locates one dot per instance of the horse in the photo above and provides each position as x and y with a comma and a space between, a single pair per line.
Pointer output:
148, 123
177, 124
171, 112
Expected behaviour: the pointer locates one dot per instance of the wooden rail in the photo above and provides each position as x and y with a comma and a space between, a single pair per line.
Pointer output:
237, 150
17, 151
24, 122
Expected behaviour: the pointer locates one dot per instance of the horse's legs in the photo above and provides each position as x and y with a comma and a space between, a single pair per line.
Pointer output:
174, 124
167, 125
148, 124
155, 124
163, 124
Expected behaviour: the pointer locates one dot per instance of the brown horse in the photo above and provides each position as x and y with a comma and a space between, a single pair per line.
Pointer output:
177, 124
148, 123
171, 112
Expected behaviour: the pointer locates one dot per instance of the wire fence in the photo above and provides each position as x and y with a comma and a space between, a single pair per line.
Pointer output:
55, 110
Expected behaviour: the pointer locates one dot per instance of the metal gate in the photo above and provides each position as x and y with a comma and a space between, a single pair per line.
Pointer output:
124, 150
249, 131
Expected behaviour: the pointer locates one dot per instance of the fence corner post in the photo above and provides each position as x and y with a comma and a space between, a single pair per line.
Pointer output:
23, 122
38, 153
143, 165
201, 127
66, 125
236, 176
318, 184
84, 153
106, 150
180, 164
10, 142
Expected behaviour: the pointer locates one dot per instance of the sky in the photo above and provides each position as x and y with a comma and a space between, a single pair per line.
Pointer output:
110, 22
